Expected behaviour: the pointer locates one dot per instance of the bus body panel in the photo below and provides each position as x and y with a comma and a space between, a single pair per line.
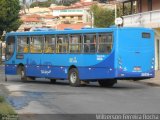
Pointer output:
89, 65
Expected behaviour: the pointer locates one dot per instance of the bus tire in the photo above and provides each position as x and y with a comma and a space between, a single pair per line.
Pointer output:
107, 83
22, 74
73, 77
53, 81
30, 78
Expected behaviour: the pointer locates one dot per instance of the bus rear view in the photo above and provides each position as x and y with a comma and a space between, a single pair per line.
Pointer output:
135, 53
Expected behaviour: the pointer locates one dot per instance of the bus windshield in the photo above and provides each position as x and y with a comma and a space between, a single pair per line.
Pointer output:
10, 47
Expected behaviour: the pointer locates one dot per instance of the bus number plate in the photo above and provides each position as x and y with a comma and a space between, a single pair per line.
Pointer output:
137, 68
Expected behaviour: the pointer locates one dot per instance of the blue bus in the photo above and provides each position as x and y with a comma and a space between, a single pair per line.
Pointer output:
89, 54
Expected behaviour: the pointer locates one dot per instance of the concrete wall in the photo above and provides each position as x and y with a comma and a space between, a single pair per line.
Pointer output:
155, 4
144, 5
157, 49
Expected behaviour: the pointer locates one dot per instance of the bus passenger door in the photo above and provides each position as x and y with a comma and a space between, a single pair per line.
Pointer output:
34, 57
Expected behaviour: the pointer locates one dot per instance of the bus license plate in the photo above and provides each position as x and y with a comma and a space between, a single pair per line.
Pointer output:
137, 68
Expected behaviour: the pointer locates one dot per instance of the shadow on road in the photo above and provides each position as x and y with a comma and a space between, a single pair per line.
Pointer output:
121, 85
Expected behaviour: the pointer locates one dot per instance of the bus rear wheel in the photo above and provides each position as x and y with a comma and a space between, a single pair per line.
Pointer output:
73, 77
53, 81
107, 83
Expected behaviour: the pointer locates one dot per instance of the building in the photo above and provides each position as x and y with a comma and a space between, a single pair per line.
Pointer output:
76, 16
37, 17
76, 13
36, 10
143, 13
30, 21
72, 26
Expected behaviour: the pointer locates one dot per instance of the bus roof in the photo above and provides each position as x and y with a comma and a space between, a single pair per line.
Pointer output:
71, 31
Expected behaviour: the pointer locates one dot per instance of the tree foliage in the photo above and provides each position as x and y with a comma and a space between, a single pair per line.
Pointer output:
42, 4
9, 15
66, 2
103, 17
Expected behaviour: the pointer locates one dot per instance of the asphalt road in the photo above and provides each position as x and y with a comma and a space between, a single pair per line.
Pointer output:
42, 97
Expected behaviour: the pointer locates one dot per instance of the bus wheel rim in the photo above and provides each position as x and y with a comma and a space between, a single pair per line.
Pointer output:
73, 77
22, 73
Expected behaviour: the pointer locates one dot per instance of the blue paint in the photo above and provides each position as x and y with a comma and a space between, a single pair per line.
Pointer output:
130, 52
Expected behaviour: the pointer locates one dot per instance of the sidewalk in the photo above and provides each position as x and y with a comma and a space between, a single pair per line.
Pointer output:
153, 81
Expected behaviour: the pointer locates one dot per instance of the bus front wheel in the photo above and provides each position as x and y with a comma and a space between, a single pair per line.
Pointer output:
22, 73
73, 77
107, 83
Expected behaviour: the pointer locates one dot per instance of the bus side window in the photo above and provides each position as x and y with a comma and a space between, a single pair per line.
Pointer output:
62, 44
36, 44
23, 44
59, 44
49, 44
89, 43
105, 43
75, 44
65, 44
87, 46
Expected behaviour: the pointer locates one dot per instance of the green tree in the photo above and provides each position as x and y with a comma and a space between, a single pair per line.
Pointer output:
9, 15
125, 9
119, 10
103, 17
42, 4
66, 2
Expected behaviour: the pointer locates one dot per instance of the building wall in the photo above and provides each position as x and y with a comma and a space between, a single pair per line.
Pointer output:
145, 5
157, 48
156, 4
77, 15
68, 12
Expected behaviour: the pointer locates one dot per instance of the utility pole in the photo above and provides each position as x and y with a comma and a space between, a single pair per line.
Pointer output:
24, 6
92, 18
115, 8
37, 2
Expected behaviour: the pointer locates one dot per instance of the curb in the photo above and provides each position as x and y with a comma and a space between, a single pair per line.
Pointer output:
150, 83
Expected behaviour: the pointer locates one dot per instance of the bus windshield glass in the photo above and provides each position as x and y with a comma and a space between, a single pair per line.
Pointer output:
10, 47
